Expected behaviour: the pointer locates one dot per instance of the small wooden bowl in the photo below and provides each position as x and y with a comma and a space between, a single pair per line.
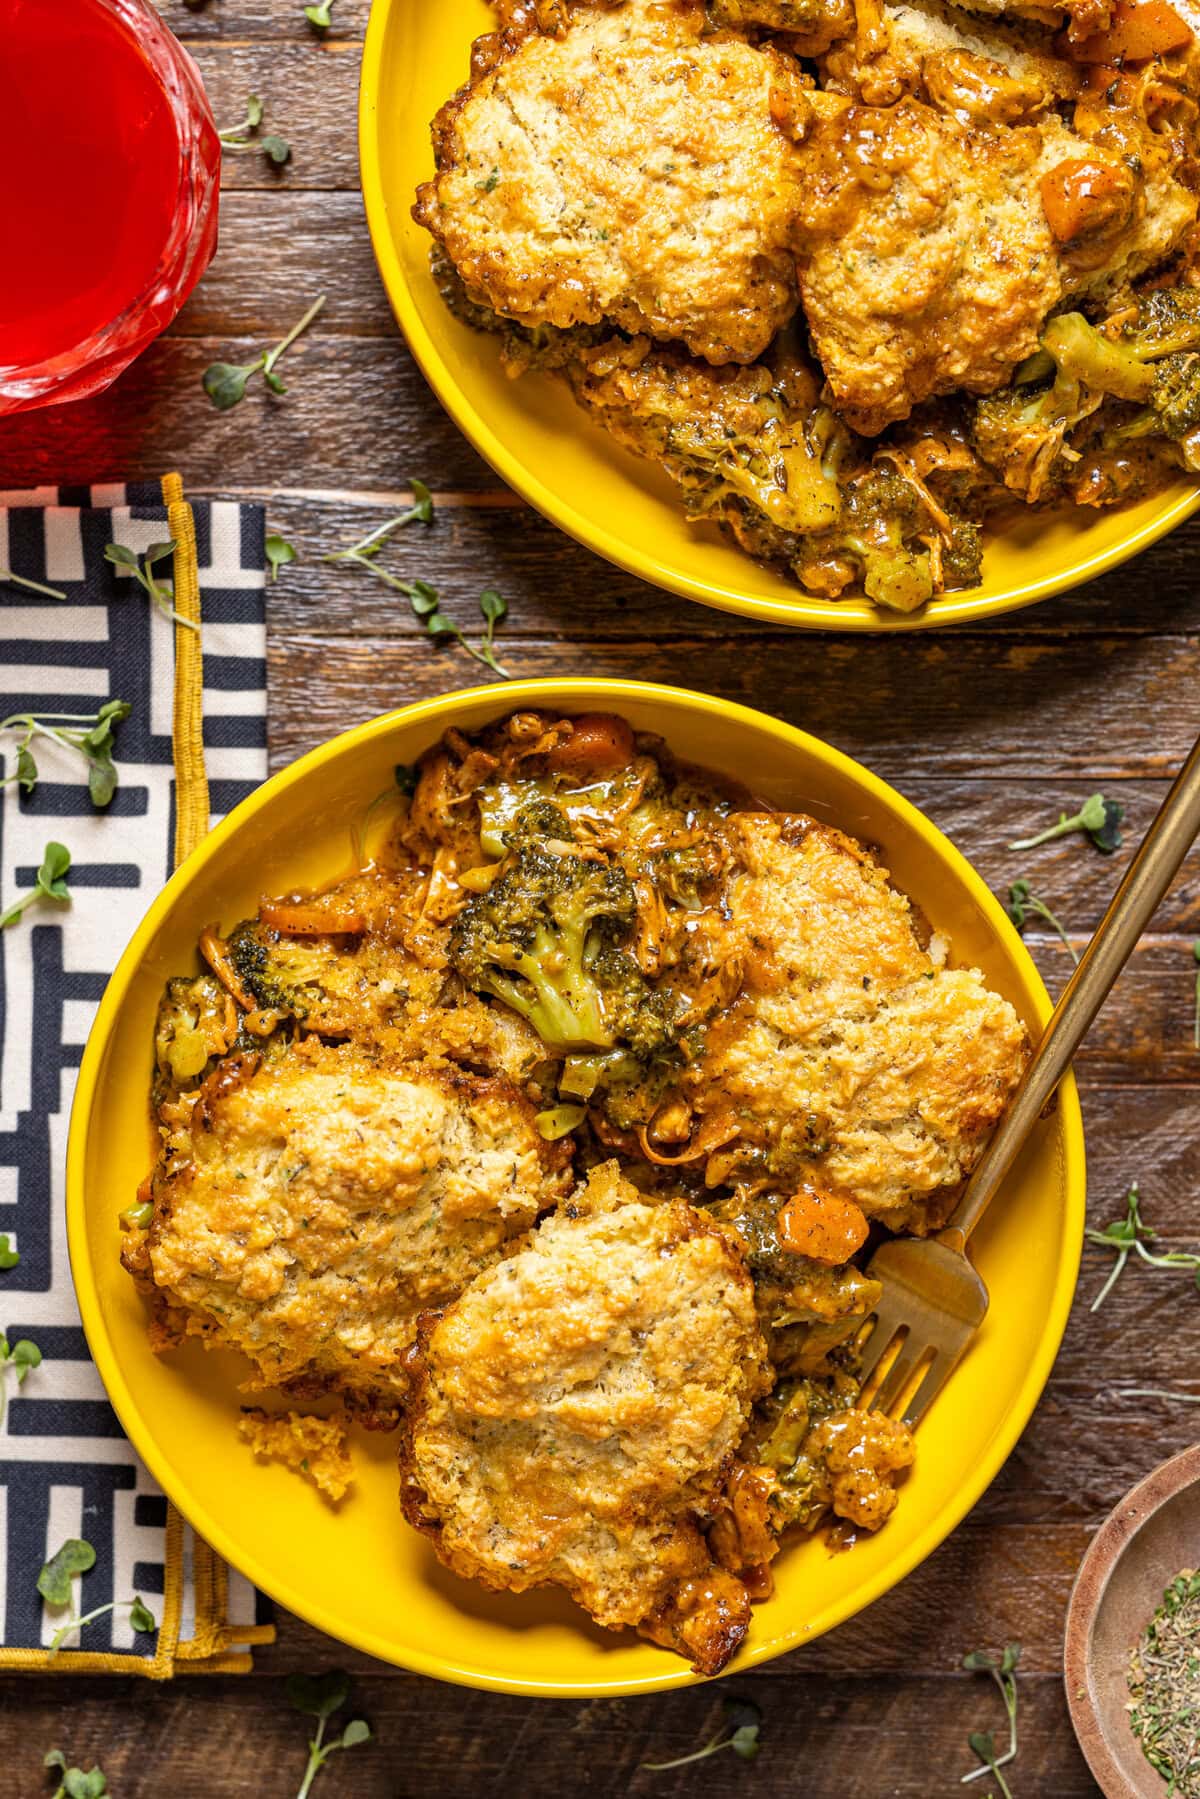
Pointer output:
1136, 1553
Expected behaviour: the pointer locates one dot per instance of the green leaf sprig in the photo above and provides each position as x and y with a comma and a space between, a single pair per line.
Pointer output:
1156, 1393
320, 1696
75, 1784
427, 608
738, 1731
76, 1556
1130, 1236
51, 884
1022, 900
158, 591
423, 598
9, 1257
279, 553
225, 382
53, 593
94, 742
318, 16
367, 548
23, 1356
1004, 1673
1100, 818
244, 135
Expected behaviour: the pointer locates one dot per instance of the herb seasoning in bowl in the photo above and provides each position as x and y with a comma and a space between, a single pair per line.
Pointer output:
1132, 1659
1164, 1679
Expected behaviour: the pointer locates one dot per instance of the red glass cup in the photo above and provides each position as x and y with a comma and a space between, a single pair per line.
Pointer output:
109, 170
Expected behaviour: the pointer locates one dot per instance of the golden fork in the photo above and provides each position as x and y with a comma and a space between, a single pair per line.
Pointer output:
933, 1300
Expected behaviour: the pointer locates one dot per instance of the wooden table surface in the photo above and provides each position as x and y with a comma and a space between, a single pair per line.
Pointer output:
988, 730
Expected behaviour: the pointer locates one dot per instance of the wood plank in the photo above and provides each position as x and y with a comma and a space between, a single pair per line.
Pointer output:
357, 414
829, 1739
885, 700
309, 89
276, 247
493, 537
275, 20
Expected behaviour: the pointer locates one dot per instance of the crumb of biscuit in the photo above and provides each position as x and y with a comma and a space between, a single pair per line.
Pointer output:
315, 1447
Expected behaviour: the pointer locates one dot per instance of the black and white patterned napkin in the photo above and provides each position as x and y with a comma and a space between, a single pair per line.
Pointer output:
66, 1469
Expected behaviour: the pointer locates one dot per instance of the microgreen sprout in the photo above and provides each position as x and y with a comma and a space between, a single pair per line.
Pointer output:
368, 547
90, 734
54, 1584
1022, 901
318, 15
75, 1784
75, 1556
279, 553
1129, 1236
225, 382
52, 593
320, 1696
50, 883
427, 608
738, 1731
158, 591
244, 136
1100, 818
1156, 1393
9, 1257
1004, 1673
22, 1355
421, 596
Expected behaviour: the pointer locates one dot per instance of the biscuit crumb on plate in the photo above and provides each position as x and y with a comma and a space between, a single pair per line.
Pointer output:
310, 1445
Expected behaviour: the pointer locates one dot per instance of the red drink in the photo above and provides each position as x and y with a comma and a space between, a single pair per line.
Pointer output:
108, 174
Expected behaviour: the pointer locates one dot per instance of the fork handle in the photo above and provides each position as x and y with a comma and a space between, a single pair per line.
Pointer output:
1146, 880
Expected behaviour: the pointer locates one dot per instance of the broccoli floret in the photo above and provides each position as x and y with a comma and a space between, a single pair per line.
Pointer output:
1153, 362
689, 873
779, 1435
1021, 430
197, 1024
545, 938
265, 976
1175, 397
641, 1018
879, 533
787, 470
962, 554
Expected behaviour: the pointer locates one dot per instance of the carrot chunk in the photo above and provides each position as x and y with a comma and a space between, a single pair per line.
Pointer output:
822, 1225
1137, 31
599, 744
311, 918
1082, 194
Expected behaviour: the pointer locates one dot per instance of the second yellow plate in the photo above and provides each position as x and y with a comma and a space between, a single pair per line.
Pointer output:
535, 436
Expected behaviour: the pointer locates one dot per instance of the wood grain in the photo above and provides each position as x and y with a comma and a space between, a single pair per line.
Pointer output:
990, 730
824, 1737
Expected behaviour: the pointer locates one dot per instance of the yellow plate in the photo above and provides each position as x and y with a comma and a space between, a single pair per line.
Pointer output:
534, 435
360, 1573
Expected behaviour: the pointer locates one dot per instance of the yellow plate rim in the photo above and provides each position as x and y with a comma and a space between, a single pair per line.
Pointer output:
440, 710
805, 612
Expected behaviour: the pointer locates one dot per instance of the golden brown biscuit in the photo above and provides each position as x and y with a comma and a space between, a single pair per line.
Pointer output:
310, 1202
578, 1408
631, 170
